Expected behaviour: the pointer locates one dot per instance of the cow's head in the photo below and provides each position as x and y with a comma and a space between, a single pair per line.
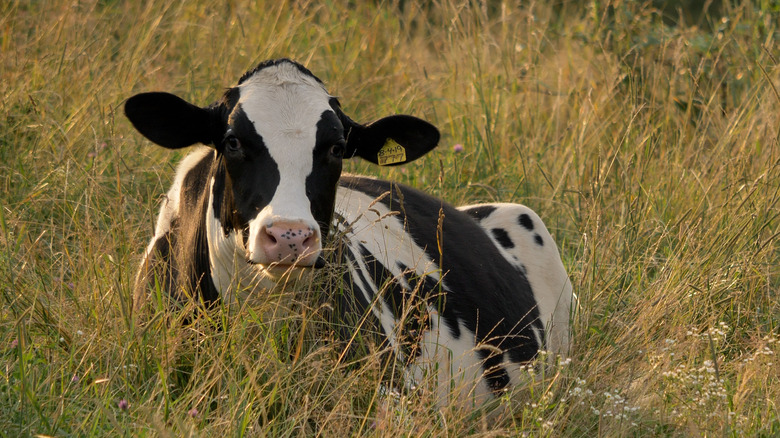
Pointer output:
280, 139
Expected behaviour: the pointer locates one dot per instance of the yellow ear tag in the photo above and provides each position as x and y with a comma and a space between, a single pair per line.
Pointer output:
391, 153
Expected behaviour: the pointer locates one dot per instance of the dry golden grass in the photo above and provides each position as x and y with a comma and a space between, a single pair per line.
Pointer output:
650, 150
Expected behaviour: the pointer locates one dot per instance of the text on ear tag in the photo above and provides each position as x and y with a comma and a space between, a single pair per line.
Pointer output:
391, 153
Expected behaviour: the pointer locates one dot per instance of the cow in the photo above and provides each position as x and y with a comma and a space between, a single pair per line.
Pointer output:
466, 297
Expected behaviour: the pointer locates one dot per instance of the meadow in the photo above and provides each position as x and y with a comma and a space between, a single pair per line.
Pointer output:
648, 139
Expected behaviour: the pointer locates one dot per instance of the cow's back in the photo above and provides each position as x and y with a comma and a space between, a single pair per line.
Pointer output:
436, 270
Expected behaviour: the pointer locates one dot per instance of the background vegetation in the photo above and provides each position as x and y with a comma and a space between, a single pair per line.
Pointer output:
646, 135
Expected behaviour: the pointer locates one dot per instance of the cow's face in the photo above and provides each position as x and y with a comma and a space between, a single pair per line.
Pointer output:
282, 149
280, 140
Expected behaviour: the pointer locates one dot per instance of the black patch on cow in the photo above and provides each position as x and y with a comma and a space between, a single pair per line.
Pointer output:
162, 245
222, 110
538, 239
343, 253
424, 291
321, 183
526, 222
480, 212
244, 181
382, 278
193, 185
408, 306
497, 379
432, 288
496, 376
224, 205
193, 253
484, 292
275, 62
502, 237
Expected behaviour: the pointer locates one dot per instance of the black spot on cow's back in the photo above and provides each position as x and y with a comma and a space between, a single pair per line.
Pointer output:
526, 222
538, 239
502, 237
480, 212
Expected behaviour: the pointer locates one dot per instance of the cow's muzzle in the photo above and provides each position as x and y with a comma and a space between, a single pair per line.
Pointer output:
288, 243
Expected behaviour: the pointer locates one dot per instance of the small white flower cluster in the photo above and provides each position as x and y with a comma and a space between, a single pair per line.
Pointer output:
538, 409
694, 384
613, 405
529, 368
766, 350
130, 369
669, 344
578, 390
717, 334
546, 362
702, 383
700, 387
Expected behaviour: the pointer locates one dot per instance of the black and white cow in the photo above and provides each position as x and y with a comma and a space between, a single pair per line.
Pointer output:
464, 296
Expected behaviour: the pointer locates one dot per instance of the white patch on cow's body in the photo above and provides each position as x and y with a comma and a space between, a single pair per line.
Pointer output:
452, 363
284, 105
542, 266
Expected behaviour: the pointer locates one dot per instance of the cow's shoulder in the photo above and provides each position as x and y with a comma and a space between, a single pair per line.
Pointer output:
189, 184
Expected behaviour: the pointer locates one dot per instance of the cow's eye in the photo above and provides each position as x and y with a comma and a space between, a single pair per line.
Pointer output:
232, 144
337, 150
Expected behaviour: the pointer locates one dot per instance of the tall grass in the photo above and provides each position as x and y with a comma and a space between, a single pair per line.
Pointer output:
650, 149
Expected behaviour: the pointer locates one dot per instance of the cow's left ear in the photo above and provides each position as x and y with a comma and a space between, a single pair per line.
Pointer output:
390, 141
169, 120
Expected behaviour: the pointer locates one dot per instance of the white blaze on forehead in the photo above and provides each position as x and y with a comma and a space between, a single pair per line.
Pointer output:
285, 105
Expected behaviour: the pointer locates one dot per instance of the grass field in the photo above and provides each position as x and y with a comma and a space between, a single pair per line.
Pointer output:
651, 150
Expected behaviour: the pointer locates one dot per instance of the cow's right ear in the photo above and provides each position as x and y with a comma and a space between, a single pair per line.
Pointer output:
169, 120
389, 141
392, 140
